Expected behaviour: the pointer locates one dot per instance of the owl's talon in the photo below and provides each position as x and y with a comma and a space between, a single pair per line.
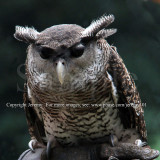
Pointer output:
48, 150
33, 144
139, 143
51, 144
112, 158
30, 145
113, 140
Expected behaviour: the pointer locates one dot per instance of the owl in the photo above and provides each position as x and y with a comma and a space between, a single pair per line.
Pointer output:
78, 89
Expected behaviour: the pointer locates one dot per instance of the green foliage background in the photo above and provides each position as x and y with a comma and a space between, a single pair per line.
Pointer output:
137, 41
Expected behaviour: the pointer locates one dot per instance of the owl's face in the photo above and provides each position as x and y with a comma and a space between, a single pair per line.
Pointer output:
60, 52
64, 51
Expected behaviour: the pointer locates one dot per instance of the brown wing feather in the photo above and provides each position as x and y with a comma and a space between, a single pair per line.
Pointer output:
132, 117
36, 129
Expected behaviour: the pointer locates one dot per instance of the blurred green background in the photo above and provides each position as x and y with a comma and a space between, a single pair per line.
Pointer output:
137, 41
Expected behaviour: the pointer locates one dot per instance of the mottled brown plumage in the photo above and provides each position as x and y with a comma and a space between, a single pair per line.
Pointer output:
66, 75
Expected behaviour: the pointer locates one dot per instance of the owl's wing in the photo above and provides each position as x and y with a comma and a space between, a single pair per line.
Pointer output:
35, 125
132, 116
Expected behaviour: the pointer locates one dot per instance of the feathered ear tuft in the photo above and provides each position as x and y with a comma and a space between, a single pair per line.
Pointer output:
26, 34
97, 25
104, 33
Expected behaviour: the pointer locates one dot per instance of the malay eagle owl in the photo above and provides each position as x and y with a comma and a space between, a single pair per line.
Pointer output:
78, 86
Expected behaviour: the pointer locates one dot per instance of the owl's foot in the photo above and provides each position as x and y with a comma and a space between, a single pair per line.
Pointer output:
139, 143
50, 145
112, 158
33, 144
113, 140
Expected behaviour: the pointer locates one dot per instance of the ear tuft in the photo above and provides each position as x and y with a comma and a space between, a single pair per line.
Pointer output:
26, 34
104, 33
97, 25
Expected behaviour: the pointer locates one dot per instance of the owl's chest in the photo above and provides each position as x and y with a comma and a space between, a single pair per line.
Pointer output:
91, 85
71, 125
75, 126
91, 90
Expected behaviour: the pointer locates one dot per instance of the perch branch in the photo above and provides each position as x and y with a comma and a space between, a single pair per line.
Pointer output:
123, 151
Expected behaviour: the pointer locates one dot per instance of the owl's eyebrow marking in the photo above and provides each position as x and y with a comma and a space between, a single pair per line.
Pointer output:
43, 45
86, 40
78, 43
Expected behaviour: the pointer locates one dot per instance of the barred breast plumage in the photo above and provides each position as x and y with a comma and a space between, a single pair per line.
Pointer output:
85, 121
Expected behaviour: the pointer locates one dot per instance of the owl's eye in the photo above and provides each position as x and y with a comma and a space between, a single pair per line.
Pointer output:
77, 50
45, 52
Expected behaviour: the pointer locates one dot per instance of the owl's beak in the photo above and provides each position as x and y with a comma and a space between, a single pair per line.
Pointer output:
60, 68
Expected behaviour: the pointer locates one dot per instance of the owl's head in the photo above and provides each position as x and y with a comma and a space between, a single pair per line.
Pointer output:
64, 49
